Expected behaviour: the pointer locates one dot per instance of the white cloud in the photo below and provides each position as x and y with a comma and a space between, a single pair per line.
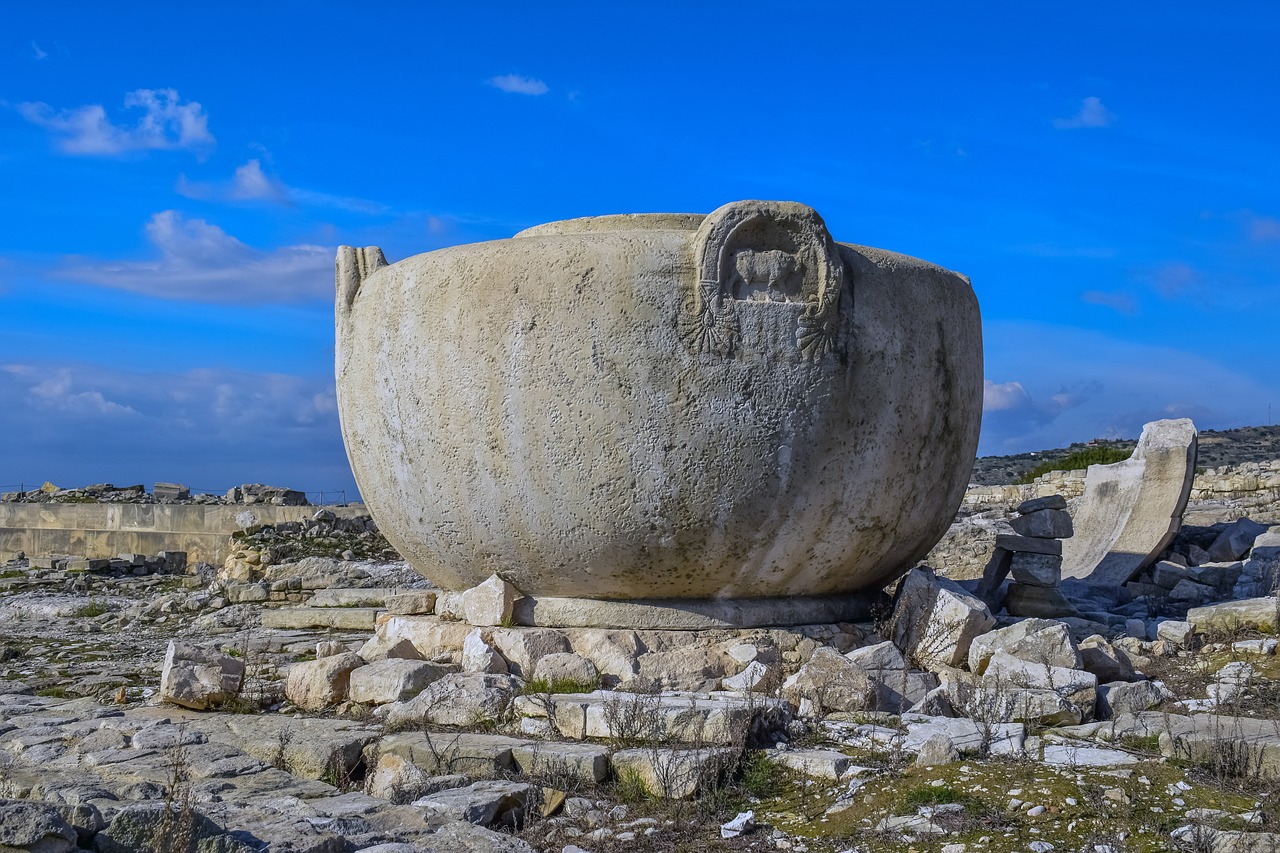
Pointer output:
1176, 280
167, 123
1264, 228
1004, 395
54, 393
251, 183
1122, 302
1092, 113
209, 428
201, 262
518, 85
37, 52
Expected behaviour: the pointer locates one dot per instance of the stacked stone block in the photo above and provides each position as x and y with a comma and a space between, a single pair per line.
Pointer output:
1032, 557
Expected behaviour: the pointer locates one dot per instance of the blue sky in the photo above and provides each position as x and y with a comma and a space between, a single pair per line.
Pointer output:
175, 185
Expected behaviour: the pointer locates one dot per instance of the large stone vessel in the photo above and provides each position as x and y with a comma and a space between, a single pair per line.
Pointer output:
660, 406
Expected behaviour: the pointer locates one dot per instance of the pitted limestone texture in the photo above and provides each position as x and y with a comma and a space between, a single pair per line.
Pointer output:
660, 406
1132, 510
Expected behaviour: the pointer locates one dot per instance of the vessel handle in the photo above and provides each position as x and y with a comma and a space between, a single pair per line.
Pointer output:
353, 266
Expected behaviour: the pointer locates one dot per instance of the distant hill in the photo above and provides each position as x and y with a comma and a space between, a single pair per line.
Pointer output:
1217, 448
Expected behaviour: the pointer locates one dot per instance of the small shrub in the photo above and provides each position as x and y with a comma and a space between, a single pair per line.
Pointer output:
630, 787
1077, 461
761, 778
536, 686
930, 795
90, 610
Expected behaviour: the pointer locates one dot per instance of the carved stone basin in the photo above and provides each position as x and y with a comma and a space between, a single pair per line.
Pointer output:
660, 406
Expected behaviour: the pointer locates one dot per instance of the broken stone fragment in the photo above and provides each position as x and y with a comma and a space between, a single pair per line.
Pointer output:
1044, 524
392, 680
935, 619
480, 656
1047, 602
1236, 540
1036, 569
1036, 640
199, 678
318, 684
1038, 504
566, 667
489, 603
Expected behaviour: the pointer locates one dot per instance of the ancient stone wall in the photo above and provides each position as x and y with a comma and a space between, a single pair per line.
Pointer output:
105, 530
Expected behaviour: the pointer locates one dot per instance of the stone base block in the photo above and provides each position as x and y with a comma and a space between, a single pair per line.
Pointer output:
693, 615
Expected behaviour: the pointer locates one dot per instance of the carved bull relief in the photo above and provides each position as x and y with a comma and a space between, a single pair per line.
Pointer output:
765, 256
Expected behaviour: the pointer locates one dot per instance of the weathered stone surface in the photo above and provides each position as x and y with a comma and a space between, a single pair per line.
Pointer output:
814, 763
1037, 601
495, 801
761, 289
1128, 697
583, 763
1106, 661
1234, 542
673, 773
430, 635
453, 752
489, 603
968, 736
755, 675
378, 648
693, 614
345, 618
1036, 569
412, 603
524, 647
935, 619
1029, 545
198, 678
1176, 631
392, 680
461, 699
480, 656
1131, 510
614, 653
1043, 524
1042, 503
1033, 640
830, 681
317, 684
397, 779
141, 827
1025, 691
35, 827
566, 666
937, 749
1259, 613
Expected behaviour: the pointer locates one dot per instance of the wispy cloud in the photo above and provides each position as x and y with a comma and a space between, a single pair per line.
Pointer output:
1122, 302
1092, 113
166, 123
1264, 229
199, 261
518, 85
1175, 280
251, 182
196, 426
37, 52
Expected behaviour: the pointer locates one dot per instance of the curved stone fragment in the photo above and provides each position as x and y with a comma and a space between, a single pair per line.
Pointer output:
660, 406
1131, 510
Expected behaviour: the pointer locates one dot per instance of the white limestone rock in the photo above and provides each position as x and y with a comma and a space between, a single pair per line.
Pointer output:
479, 656
935, 619
489, 603
199, 678
318, 684
392, 680
1034, 640
566, 667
